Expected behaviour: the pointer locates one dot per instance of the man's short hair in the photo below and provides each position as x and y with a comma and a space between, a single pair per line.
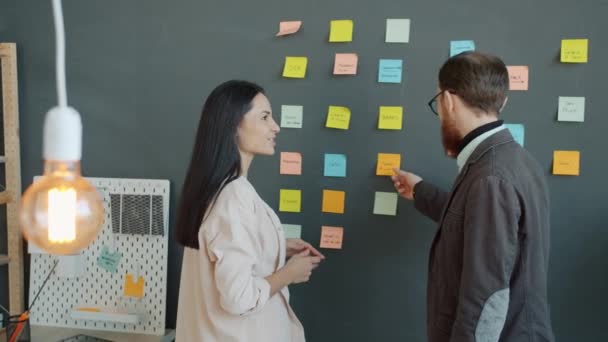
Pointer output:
480, 80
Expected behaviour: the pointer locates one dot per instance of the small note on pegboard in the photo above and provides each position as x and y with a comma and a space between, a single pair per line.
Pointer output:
132, 288
108, 261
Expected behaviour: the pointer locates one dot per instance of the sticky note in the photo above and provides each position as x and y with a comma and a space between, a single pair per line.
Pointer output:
291, 163
390, 70
335, 165
386, 163
518, 77
346, 64
331, 237
397, 30
108, 261
290, 200
292, 231
574, 50
288, 27
518, 132
341, 31
571, 109
295, 67
333, 201
338, 117
566, 163
390, 118
385, 203
291, 116
460, 46
132, 288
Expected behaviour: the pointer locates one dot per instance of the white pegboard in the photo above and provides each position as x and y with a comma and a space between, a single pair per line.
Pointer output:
97, 287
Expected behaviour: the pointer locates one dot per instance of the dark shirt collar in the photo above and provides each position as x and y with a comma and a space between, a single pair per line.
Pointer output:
477, 132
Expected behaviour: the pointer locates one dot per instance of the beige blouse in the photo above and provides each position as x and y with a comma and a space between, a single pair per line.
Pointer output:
223, 295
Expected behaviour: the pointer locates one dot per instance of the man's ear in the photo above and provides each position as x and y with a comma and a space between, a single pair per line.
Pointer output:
450, 101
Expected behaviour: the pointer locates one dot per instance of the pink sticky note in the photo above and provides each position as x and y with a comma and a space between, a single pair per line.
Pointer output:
291, 163
346, 64
518, 77
288, 27
331, 237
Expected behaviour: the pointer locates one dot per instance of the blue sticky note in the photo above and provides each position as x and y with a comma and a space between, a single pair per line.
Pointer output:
459, 46
335, 165
108, 261
517, 131
390, 70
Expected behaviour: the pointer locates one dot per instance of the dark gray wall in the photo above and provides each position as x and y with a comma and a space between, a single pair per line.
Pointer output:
138, 71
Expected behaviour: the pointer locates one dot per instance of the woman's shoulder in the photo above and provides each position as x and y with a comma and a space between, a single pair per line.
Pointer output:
238, 192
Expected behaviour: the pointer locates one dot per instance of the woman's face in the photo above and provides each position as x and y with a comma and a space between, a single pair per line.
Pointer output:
257, 131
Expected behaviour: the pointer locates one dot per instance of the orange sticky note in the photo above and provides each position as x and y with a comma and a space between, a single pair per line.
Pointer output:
291, 163
386, 163
346, 64
566, 163
518, 77
288, 27
333, 201
134, 289
331, 237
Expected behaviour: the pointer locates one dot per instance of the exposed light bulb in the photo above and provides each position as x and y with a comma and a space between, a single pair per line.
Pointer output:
61, 212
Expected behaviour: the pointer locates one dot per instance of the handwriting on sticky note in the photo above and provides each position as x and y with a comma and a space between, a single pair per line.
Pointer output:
518, 132
291, 163
397, 30
333, 201
460, 46
346, 64
341, 31
292, 231
291, 116
331, 237
518, 77
385, 203
386, 163
108, 261
390, 70
132, 288
288, 27
574, 50
566, 163
571, 109
338, 117
390, 118
335, 165
295, 67
290, 200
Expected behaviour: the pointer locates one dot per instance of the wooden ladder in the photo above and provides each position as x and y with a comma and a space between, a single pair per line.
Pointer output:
11, 195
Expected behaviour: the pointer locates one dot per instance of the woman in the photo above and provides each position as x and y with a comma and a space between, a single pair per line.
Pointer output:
234, 276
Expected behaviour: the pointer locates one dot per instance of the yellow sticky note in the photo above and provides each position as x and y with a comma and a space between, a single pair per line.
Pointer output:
331, 237
566, 163
333, 201
386, 163
390, 118
290, 201
341, 31
295, 67
291, 163
574, 50
132, 288
338, 117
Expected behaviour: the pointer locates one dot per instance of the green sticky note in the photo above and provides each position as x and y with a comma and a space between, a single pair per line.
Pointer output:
385, 203
108, 261
292, 231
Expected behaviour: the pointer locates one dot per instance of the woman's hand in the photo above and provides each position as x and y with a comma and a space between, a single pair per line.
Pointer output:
295, 246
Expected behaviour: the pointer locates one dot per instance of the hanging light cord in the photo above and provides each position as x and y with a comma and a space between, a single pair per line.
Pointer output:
60, 53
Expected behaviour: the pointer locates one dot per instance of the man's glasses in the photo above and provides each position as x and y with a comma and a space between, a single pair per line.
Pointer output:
433, 103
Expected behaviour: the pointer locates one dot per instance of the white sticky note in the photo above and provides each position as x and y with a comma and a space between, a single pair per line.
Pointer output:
397, 30
571, 109
291, 116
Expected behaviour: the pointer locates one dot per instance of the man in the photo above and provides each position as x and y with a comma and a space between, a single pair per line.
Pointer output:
488, 262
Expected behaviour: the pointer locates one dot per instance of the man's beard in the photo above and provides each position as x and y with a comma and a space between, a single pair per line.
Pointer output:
451, 139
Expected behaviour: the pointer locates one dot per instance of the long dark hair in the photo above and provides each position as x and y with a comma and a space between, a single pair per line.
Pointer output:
216, 160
